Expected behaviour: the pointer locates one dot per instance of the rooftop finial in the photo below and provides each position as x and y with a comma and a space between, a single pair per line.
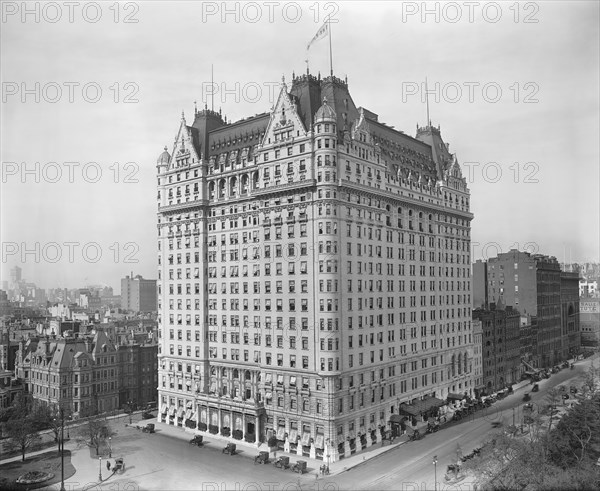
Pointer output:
195, 108
283, 79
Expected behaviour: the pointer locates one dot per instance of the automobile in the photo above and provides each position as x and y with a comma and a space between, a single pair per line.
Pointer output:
197, 440
147, 415
526, 397
262, 458
528, 406
230, 449
299, 467
562, 388
282, 462
535, 388
573, 389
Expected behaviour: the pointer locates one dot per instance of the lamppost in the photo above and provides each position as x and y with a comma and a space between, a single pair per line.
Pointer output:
435, 461
110, 447
62, 449
100, 468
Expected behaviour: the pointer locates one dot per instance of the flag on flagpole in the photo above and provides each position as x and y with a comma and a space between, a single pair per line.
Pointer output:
321, 33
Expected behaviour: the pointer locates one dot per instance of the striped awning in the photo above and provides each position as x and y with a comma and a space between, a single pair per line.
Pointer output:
164, 409
306, 439
172, 411
189, 404
180, 412
188, 414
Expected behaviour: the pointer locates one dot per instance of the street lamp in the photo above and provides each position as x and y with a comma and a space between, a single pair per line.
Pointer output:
100, 468
61, 448
435, 461
110, 447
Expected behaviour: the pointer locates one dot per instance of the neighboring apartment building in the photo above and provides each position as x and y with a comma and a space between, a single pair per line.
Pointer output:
313, 273
478, 358
138, 294
501, 353
590, 323
87, 373
569, 313
532, 285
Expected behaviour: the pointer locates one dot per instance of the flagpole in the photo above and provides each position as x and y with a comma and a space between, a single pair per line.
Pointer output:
330, 57
427, 100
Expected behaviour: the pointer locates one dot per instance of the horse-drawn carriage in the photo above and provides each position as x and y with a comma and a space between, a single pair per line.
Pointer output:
149, 428
119, 466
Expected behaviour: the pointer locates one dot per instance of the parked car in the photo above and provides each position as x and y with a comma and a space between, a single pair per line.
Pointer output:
262, 458
535, 388
299, 467
230, 449
282, 462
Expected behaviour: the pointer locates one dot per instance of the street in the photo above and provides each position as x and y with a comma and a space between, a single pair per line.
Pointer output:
410, 466
165, 460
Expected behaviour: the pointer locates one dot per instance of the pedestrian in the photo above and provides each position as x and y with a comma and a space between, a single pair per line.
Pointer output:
108, 465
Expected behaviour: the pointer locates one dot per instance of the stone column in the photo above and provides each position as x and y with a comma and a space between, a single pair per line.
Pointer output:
347, 451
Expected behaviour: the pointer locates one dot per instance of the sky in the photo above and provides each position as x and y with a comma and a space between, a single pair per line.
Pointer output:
93, 91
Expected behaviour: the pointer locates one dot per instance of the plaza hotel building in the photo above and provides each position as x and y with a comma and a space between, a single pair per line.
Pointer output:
313, 274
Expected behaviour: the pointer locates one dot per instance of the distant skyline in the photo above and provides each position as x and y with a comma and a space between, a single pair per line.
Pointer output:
517, 100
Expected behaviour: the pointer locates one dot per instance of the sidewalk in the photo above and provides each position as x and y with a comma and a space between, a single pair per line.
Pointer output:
250, 450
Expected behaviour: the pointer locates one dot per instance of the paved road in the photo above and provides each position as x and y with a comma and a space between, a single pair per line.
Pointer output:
166, 462
410, 466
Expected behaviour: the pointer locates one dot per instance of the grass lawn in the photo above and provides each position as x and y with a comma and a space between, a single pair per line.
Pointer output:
46, 462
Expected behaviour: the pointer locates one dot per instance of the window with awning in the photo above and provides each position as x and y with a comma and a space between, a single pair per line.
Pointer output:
164, 410
292, 380
269, 395
293, 437
280, 379
172, 411
281, 433
269, 378
305, 439
180, 412
320, 441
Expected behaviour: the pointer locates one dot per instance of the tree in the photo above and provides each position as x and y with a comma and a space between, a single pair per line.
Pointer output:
22, 434
561, 458
577, 435
94, 432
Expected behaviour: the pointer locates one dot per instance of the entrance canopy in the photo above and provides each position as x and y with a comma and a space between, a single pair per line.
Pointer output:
421, 406
457, 397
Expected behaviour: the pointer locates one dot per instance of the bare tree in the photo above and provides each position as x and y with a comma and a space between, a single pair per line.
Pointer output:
95, 432
22, 434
